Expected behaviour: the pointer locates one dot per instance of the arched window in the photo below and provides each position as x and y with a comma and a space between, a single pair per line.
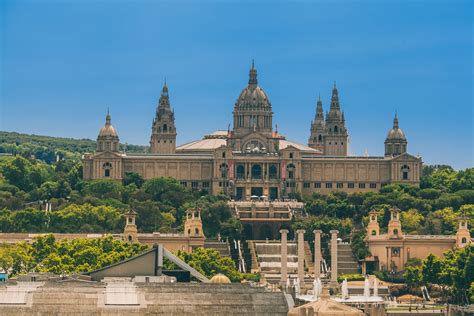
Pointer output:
256, 172
463, 240
240, 172
165, 128
335, 129
374, 232
320, 138
223, 154
373, 218
405, 172
290, 171
189, 231
130, 238
107, 167
223, 168
395, 231
196, 231
273, 172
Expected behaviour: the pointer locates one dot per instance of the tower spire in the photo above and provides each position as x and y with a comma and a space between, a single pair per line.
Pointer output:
107, 118
335, 98
395, 121
253, 75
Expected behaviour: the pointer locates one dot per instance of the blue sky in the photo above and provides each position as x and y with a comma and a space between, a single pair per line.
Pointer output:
64, 62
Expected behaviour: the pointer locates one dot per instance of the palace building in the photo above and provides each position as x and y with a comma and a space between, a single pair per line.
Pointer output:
254, 159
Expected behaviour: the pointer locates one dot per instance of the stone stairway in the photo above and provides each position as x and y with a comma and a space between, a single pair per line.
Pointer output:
266, 259
346, 262
221, 246
308, 258
254, 265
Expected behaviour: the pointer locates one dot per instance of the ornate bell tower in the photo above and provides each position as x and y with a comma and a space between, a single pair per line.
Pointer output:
316, 139
373, 228
463, 237
335, 143
163, 133
193, 223
130, 232
394, 225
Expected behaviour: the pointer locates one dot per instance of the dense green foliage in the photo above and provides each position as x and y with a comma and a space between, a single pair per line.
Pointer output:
209, 263
454, 272
49, 149
49, 169
350, 277
46, 254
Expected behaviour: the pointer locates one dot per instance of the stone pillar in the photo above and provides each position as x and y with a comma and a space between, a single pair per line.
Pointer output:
300, 233
317, 253
284, 257
334, 258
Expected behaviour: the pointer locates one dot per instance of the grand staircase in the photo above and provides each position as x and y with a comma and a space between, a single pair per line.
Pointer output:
221, 246
346, 262
266, 259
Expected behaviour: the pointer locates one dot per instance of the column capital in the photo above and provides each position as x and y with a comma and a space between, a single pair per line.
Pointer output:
317, 231
334, 231
300, 231
284, 231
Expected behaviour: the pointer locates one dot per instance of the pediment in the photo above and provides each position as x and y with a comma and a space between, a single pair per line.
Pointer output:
406, 157
107, 155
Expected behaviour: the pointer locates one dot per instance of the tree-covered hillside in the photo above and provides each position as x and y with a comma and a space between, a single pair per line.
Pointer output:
49, 149
34, 176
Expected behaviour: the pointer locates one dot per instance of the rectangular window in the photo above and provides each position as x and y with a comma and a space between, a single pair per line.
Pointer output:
339, 185
373, 185
184, 183
306, 185
350, 185
328, 185
291, 155
361, 185
194, 184
205, 184
317, 185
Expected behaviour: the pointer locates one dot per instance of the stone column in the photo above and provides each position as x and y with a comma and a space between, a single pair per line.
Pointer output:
284, 257
334, 257
317, 253
300, 233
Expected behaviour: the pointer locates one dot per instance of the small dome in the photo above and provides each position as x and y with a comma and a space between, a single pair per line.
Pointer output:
253, 96
396, 133
220, 278
108, 130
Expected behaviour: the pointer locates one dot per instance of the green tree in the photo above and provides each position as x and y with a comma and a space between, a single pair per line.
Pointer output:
411, 220
104, 188
210, 263
413, 277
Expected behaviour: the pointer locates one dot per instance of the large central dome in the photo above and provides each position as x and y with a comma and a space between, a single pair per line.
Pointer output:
253, 96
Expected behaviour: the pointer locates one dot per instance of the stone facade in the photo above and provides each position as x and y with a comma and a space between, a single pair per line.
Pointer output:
252, 158
392, 250
135, 297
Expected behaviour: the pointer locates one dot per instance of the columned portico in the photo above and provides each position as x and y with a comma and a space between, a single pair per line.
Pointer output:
300, 233
284, 257
334, 283
317, 253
